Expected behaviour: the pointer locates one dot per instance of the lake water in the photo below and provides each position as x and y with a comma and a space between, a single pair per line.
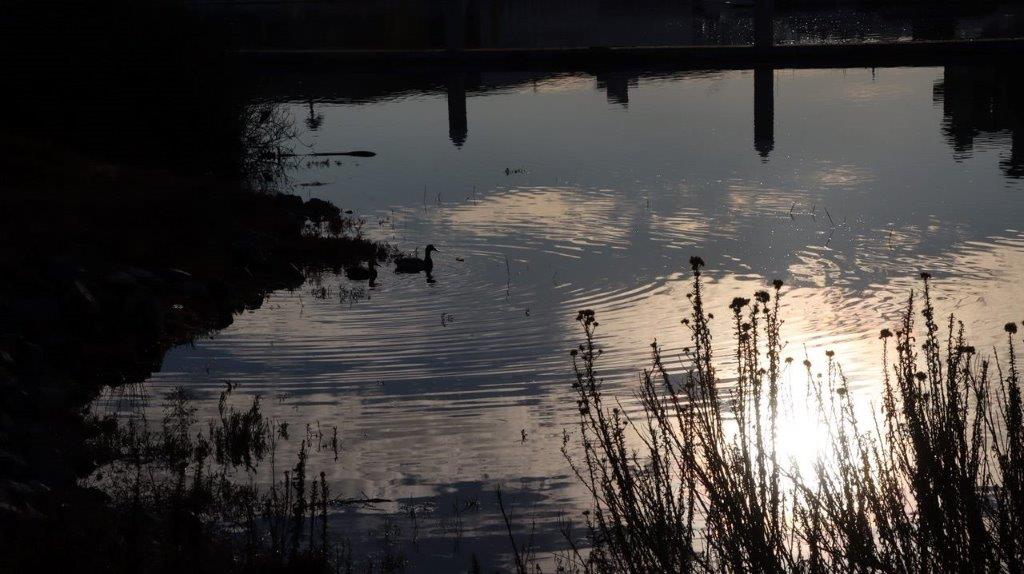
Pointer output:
547, 193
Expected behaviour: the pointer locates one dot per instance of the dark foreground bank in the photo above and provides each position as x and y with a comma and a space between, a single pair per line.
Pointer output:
103, 268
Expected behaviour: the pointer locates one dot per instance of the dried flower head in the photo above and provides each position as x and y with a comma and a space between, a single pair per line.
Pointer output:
739, 303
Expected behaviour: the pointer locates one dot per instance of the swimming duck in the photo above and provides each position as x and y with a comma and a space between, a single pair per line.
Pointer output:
415, 264
360, 273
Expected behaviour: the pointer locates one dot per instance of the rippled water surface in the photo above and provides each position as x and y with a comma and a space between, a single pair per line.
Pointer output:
550, 193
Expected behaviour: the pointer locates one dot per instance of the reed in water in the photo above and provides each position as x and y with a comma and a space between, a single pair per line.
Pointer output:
180, 499
932, 480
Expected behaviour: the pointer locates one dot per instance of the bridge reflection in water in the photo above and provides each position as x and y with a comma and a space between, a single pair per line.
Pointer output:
616, 85
978, 102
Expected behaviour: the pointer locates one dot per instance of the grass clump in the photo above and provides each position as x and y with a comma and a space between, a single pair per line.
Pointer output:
696, 480
175, 501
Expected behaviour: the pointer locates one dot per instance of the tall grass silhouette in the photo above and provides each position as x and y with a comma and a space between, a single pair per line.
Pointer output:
178, 498
696, 479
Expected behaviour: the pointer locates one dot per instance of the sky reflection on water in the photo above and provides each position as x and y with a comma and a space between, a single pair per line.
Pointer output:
571, 191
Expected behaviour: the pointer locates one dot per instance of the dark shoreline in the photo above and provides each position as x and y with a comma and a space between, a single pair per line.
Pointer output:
103, 268
880, 54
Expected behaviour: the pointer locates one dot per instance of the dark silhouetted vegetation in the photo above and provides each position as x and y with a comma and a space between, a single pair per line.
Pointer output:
103, 268
176, 501
696, 482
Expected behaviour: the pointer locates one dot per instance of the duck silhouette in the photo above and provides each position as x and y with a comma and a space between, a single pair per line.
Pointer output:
360, 273
415, 264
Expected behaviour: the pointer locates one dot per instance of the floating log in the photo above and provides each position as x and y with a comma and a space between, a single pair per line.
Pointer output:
358, 153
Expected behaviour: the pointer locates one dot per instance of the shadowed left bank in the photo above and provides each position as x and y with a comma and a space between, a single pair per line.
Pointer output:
140, 209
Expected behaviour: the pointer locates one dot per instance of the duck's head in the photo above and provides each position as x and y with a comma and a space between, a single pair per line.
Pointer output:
430, 248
